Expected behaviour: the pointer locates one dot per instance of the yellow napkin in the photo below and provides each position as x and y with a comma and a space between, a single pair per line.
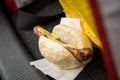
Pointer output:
81, 9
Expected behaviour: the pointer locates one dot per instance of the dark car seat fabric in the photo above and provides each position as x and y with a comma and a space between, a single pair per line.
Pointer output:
24, 22
14, 59
18, 60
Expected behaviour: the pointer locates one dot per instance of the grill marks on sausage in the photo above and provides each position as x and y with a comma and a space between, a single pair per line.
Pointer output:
80, 54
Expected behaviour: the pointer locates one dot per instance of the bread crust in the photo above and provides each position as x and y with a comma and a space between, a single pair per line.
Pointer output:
70, 35
57, 54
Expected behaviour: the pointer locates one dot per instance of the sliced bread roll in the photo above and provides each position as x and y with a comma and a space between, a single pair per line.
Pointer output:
63, 56
57, 54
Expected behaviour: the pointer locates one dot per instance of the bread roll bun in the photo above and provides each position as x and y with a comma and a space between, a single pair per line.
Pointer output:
70, 35
58, 54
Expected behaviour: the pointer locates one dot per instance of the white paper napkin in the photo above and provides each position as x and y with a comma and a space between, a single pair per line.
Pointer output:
51, 69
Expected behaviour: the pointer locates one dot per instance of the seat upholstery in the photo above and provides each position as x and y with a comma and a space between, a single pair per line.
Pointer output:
14, 58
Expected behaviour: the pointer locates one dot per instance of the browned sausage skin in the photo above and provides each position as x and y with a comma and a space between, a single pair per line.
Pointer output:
81, 54
37, 32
